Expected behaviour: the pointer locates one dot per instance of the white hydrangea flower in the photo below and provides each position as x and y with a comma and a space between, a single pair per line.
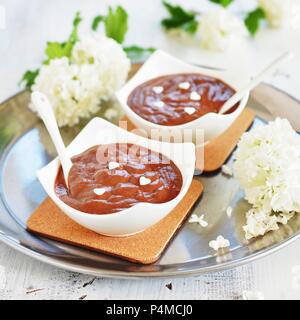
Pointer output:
107, 56
178, 33
97, 68
259, 222
200, 220
110, 114
219, 243
219, 28
278, 12
268, 169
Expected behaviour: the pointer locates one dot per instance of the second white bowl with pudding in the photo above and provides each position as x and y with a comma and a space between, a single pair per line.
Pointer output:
153, 114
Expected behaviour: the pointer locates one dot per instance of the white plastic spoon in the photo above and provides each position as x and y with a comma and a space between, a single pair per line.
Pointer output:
254, 82
45, 110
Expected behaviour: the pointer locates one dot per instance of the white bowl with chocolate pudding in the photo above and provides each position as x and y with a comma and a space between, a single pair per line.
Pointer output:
168, 94
120, 183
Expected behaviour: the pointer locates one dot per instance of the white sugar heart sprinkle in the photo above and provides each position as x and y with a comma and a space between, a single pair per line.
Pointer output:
144, 181
189, 110
159, 104
158, 89
184, 85
113, 165
219, 243
99, 191
195, 96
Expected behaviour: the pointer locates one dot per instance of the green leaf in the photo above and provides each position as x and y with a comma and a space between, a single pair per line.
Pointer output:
96, 22
179, 18
252, 21
138, 54
63, 49
223, 3
190, 26
29, 78
74, 34
56, 50
116, 24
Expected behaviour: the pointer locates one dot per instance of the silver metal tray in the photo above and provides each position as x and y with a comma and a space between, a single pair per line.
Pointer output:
25, 147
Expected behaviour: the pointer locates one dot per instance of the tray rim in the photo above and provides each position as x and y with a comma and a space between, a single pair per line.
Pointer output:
102, 272
142, 275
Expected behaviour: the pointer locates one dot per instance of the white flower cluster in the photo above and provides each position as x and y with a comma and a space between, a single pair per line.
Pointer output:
97, 68
219, 28
219, 243
200, 220
268, 169
277, 12
259, 222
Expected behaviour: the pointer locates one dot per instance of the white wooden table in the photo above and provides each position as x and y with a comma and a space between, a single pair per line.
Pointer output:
29, 24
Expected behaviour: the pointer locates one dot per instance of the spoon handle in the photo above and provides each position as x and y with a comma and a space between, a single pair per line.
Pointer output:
45, 111
254, 82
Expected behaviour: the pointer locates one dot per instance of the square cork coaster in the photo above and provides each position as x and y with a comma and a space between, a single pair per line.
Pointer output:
145, 247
